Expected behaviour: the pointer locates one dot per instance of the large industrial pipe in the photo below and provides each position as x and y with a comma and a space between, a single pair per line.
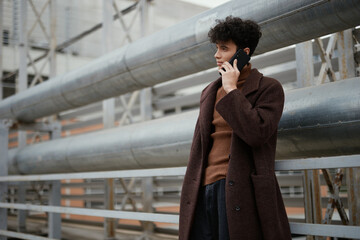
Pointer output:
317, 121
178, 51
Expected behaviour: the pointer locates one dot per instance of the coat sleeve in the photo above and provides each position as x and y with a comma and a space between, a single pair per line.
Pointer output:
253, 124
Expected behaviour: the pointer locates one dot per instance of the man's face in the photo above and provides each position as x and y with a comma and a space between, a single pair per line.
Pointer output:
224, 52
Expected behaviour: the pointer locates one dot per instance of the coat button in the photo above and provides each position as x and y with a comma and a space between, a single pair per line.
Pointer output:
231, 183
237, 208
188, 202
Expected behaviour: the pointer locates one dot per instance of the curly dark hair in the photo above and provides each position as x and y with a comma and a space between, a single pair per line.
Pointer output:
244, 33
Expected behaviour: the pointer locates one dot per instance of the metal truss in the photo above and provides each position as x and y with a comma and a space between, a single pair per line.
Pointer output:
334, 199
325, 55
311, 180
49, 36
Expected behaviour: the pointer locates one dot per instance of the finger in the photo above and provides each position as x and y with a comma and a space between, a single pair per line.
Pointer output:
235, 65
221, 71
227, 66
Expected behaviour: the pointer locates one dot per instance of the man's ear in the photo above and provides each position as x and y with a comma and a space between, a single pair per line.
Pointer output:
247, 50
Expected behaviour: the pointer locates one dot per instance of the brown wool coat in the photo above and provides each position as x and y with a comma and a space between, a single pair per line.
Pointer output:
255, 208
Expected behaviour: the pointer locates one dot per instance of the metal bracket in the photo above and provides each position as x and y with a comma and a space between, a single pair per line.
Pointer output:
8, 123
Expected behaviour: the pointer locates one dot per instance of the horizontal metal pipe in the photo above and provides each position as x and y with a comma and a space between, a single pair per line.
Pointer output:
178, 51
317, 121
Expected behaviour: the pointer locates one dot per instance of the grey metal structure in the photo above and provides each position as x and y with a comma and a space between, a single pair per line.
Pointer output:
309, 127
168, 54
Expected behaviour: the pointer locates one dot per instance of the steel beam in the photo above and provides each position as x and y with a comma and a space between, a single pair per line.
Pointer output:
153, 217
4, 135
18, 235
304, 64
178, 51
21, 86
1, 47
54, 219
108, 119
345, 47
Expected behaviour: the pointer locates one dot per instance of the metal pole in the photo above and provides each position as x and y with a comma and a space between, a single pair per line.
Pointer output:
311, 179
54, 219
347, 69
345, 47
4, 138
108, 120
109, 104
1, 48
147, 199
23, 47
146, 114
145, 94
304, 64
52, 54
22, 85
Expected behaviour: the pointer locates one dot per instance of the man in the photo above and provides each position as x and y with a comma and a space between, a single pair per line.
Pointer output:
230, 189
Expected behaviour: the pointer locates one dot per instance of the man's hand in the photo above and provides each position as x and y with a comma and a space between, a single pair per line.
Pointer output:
230, 76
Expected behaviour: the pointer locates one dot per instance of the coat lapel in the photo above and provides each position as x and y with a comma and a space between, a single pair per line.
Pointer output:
252, 82
207, 102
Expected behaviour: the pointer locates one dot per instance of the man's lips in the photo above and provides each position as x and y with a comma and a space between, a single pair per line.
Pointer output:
219, 64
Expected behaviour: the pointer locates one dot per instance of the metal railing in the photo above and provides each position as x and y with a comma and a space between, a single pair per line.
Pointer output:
329, 230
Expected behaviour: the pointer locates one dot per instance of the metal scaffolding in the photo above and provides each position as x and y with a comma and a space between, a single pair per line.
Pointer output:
320, 118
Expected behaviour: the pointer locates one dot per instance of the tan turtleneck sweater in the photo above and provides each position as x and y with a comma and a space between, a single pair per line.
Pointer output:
218, 158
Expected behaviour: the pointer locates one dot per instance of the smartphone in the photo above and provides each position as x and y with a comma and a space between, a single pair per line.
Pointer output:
242, 59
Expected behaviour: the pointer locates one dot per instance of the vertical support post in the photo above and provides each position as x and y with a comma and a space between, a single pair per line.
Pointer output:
347, 70
353, 191
145, 94
147, 198
1, 47
54, 219
108, 120
304, 64
109, 223
23, 47
311, 179
312, 196
22, 85
345, 47
22, 214
146, 114
4, 138
109, 104
52, 56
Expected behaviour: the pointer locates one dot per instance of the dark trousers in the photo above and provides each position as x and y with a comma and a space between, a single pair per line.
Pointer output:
210, 221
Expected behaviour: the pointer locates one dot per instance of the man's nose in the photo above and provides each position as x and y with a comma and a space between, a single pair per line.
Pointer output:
217, 55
